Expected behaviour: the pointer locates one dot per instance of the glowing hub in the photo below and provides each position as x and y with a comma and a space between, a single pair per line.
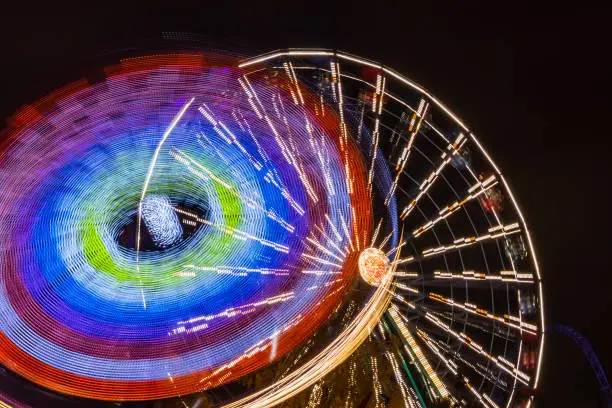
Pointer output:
373, 265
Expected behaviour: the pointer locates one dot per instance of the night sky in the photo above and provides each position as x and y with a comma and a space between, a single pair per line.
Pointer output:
534, 85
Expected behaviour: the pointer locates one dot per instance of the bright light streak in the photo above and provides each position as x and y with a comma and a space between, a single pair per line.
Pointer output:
334, 354
439, 386
169, 130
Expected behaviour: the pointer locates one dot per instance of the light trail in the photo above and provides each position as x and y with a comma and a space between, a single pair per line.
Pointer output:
334, 354
376, 385
408, 403
274, 157
242, 271
236, 310
324, 249
441, 390
270, 213
145, 187
234, 232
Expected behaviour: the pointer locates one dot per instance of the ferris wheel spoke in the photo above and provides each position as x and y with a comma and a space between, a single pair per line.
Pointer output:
333, 243
449, 358
513, 322
478, 350
321, 260
429, 125
500, 332
480, 373
413, 128
406, 288
412, 238
426, 184
418, 308
377, 104
476, 278
450, 209
496, 232
479, 370
243, 123
227, 135
338, 96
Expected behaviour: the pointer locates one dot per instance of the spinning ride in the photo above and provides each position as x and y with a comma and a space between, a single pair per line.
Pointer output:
194, 223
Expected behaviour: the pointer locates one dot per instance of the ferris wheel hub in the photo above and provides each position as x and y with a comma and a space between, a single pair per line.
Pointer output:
373, 265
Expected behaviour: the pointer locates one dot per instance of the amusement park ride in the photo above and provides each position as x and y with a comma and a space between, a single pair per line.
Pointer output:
301, 228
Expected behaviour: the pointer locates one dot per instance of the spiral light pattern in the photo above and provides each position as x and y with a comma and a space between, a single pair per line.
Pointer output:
85, 310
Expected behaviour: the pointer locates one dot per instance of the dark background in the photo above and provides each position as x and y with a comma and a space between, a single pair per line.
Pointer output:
533, 84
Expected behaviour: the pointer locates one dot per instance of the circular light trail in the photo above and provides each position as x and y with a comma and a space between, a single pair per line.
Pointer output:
86, 315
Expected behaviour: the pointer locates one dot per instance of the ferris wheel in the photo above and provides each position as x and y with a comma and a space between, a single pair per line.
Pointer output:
305, 227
